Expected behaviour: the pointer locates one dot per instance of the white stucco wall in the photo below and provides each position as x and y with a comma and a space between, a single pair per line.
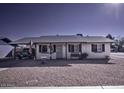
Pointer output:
86, 47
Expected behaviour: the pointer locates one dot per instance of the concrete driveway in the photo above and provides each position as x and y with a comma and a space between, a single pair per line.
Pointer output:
117, 55
24, 73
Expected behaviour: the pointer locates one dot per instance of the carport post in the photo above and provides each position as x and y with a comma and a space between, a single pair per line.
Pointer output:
14, 51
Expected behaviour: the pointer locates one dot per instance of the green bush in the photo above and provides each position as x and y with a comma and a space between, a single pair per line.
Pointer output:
83, 56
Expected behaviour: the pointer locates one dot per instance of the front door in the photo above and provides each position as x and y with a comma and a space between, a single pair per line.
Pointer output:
59, 51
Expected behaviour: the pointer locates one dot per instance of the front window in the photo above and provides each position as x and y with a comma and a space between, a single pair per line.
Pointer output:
43, 48
98, 47
74, 48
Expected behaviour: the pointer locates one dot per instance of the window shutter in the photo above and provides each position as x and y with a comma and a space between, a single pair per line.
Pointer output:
92, 48
69, 48
72, 48
103, 47
39, 48
54, 48
79, 47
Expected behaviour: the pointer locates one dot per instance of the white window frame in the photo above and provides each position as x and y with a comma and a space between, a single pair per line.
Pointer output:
99, 48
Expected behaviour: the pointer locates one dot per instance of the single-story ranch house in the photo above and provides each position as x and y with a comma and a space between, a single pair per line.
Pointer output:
67, 46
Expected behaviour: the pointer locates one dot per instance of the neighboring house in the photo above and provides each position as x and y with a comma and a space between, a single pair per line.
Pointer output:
5, 48
63, 46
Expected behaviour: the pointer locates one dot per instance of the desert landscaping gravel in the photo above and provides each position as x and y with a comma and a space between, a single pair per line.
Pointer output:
24, 73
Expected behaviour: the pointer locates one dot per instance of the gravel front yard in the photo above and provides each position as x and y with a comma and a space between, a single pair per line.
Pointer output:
21, 73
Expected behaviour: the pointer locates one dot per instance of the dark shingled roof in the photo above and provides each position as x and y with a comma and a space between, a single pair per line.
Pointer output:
62, 38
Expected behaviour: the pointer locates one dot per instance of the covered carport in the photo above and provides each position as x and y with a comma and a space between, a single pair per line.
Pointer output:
5, 48
29, 46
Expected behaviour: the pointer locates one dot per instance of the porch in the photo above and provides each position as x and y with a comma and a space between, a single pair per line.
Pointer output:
51, 50
66, 50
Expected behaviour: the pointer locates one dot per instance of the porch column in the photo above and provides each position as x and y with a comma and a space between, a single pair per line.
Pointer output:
50, 51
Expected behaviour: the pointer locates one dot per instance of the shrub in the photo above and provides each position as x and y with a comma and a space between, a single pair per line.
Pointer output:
83, 56
107, 57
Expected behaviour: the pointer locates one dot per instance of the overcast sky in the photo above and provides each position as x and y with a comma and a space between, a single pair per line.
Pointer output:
24, 20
